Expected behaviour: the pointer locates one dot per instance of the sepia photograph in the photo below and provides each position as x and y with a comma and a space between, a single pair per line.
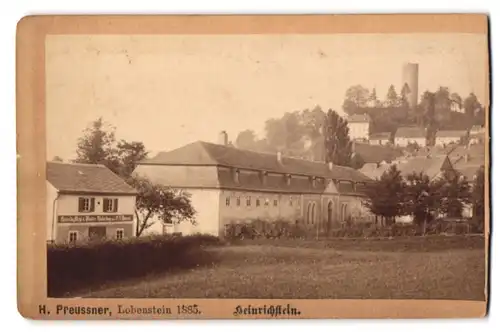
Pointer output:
261, 166
307, 167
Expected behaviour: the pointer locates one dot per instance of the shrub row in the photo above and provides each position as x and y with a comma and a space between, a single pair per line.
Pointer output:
255, 229
83, 265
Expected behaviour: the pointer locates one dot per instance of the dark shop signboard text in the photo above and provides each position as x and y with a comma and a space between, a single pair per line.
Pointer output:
97, 218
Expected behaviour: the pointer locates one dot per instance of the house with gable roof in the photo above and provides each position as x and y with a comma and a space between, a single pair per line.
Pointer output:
229, 185
87, 201
359, 126
408, 135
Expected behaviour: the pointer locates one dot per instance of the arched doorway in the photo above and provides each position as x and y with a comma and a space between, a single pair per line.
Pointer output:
313, 213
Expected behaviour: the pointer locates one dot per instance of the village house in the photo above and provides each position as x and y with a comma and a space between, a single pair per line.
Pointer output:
410, 135
477, 135
87, 201
435, 167
229, 185
359, 126
380, 138
445, 137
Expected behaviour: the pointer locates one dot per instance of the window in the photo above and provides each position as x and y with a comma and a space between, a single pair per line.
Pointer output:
263, 177
228, 201
73, 236
119, 233
110, 204
238, 201
249, 200
291, 201
257, 202
236, 175
288, 179
86, 204
275, 202
266, 202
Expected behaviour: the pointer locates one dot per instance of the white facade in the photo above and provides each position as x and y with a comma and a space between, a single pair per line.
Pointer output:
359, 130
404, 141
66, 220
381, 141
447, 140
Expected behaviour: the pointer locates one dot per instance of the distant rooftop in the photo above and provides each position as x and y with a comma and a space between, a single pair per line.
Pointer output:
358, 118
411, 132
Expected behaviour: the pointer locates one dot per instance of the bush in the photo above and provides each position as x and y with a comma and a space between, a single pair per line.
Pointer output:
74, 266
257, 228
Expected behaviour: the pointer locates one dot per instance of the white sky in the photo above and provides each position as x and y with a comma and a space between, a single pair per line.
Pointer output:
170, 90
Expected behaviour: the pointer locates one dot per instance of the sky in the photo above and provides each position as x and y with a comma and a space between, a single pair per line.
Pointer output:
171, 90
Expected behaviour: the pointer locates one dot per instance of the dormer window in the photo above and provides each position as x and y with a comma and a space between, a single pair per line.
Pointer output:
263, 177
236, 175
288, 179
312, 179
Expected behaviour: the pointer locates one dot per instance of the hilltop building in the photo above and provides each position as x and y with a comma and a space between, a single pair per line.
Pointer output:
359, 127
410, 135
87, 201
229, 185
445, 137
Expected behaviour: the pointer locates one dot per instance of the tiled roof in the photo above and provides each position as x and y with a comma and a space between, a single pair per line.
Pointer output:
410, 132
385, 135
251, 165
84, 178
468, 171
204, 153
429, 166
358, 118
376, 153
451, 133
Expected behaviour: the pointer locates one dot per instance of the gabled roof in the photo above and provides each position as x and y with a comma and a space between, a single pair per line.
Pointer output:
86, 178
208, 154
358, 118
410, 132
451, 133
376, 153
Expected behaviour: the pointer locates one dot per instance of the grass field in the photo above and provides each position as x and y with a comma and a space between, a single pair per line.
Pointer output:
411, 268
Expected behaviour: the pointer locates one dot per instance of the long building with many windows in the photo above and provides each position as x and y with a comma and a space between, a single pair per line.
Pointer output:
230, 185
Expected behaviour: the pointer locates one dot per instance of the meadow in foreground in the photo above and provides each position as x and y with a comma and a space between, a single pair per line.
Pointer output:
414, 268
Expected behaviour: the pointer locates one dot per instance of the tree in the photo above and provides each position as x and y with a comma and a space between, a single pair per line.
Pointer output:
246, 140
471, 105
477, 198
385, 195
96, 144
443, 103
421, 199
405, 91
392, 99
454, 194
168, 205
338, 145
355, 97
372, 99
456, 99
127, 155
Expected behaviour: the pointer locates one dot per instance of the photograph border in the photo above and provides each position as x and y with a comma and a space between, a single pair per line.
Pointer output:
31, 156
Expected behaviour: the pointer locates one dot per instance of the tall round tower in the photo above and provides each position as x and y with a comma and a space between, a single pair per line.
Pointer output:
410, 78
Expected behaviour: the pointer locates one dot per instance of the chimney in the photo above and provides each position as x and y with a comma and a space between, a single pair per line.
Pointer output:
279, 157
223, 138
330, 166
